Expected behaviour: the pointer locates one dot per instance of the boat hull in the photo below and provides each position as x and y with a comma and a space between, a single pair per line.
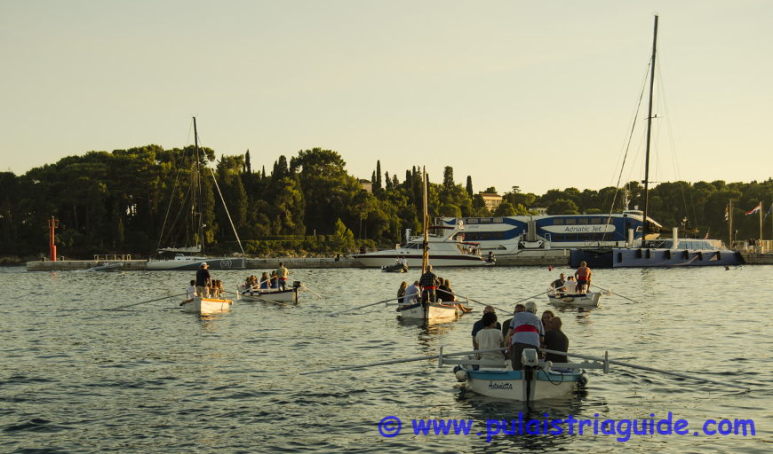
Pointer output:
194, 263
588, 300
274, 296
510, 384
437, 313
654, 257
378, 260
207, 306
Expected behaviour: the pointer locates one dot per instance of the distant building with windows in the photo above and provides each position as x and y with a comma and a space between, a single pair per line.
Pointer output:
538, 210
367, 186
491, 199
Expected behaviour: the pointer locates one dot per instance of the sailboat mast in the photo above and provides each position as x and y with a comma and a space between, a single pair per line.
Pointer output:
649, 133
198, 215
425, 243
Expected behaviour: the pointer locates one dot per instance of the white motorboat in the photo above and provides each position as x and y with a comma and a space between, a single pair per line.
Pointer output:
445, 245
206, 306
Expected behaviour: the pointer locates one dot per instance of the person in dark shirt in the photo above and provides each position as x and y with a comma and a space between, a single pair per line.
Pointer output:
479, 325
203, 280
444, 291
555, 339
428, 282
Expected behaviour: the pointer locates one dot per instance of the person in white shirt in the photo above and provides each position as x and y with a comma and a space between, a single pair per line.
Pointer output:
570, 285
190, 292
490, 337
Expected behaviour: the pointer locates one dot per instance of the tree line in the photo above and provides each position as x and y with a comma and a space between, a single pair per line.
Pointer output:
139, 199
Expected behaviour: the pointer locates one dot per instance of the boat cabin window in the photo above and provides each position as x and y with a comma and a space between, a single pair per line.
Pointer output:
570, 221
595, 220
558, 222
471, 220
582, 221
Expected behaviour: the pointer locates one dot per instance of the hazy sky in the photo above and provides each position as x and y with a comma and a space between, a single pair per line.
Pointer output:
535, 94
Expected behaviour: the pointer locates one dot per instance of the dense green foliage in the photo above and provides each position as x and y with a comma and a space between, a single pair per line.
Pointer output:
122, 201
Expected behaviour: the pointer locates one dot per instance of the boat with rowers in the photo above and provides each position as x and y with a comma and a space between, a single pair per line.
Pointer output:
273, 295
414, 307
537, 380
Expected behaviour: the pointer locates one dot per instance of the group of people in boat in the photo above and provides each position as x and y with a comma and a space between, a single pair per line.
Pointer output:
428, 289
276, 280
523, 330
204, 286
579, 284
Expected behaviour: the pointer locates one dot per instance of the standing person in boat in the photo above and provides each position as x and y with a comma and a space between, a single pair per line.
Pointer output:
401, 292
203, 280
583, 275
526, 331
555, 339
428, 282
489, 338
282, 273
480, 324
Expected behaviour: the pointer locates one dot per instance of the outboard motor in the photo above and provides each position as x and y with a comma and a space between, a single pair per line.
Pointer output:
296, 284
529, 358
530, 361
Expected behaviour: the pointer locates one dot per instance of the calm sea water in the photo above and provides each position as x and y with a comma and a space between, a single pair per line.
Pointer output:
78, 377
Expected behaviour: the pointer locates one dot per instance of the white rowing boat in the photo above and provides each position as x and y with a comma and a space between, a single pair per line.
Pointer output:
206, 306
436, 312
584, 300
289, 295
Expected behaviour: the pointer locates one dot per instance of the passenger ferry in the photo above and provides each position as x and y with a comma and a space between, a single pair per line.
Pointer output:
510, 234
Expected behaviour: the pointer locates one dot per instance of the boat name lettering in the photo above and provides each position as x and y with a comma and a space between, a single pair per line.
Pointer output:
505, 385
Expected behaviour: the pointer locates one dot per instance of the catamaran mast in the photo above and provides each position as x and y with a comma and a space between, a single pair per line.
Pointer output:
425, 242
198, 215
649, 131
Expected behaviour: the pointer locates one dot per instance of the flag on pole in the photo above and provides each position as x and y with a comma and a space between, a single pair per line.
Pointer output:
727, 214
754, 210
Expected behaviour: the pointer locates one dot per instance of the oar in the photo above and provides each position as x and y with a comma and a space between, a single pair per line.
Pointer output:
362, 307
647, 368
615, 293
398, 361
479, 302
143, 302
303, 286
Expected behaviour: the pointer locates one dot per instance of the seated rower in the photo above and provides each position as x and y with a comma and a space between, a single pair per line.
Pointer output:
489, 338
265, 281
570, 286
190, 292
555, 339
558, 284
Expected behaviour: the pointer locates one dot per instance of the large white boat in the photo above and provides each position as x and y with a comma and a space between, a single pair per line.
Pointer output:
188, 262
446, 248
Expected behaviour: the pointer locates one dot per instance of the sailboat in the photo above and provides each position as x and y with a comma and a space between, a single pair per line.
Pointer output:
430, 312
649, 251
182, 260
